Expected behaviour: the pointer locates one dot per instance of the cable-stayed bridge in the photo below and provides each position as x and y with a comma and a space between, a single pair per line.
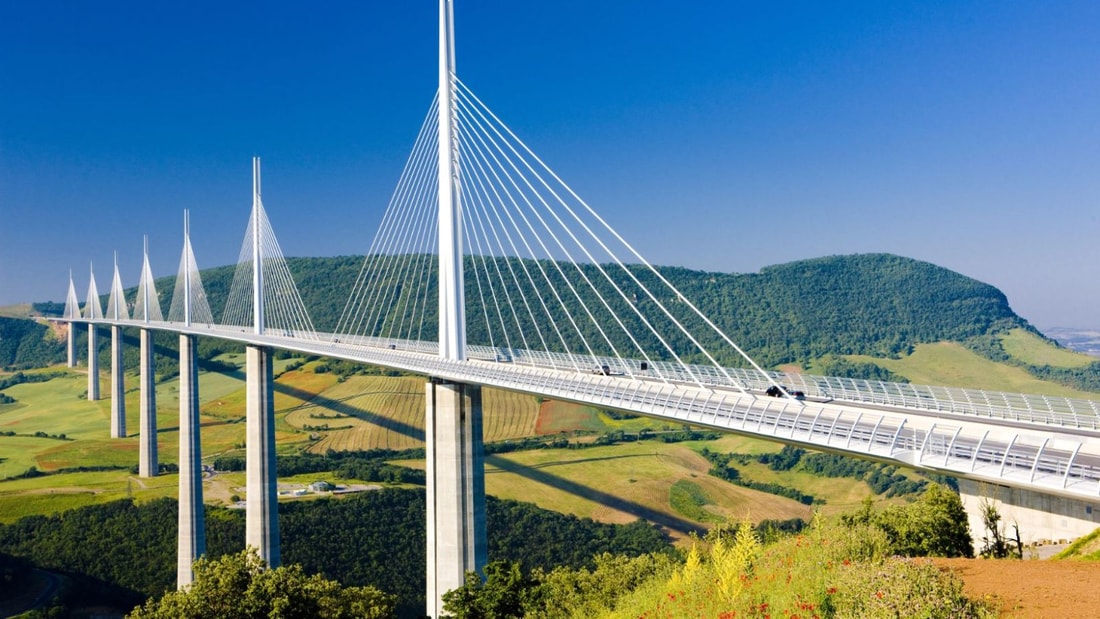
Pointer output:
488, 270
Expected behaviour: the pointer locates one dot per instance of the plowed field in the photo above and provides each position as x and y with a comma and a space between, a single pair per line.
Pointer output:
1032, 589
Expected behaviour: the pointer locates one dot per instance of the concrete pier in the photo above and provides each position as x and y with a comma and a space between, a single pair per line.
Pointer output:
93, 365
118, 385
70, 344
147, 450
192, 517
456, 488
262, 512
1040, 517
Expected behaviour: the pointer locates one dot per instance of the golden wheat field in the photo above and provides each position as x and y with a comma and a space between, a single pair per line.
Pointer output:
369, 412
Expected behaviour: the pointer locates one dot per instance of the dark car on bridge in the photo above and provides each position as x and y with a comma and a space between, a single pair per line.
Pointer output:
776, 391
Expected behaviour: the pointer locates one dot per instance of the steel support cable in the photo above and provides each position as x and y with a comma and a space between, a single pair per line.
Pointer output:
538, 263
420, 265
631, 249
473, 242
242, 276
238, 303
481, 216
614, 285
288, 301
478, 196
487, 184
411, 244
280, 293
416, 248
200, 305
352, 308
497, 185
425, 247
480, 291
397, 214
568, 254
401, 252
403, 209
595, 262
433, 230
557, 266
645, 320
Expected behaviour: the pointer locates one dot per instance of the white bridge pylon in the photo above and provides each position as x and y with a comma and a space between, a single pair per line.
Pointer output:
263, 294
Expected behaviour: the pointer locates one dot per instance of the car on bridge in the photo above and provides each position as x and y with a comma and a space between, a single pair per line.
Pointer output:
777, 391
606, 371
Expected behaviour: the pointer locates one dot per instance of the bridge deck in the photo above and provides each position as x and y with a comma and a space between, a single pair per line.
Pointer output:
1035, 442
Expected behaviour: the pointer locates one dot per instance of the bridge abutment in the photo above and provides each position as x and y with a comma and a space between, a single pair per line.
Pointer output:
455, 488
192, 523
1040, 517
93, 364
148, 465
262, 512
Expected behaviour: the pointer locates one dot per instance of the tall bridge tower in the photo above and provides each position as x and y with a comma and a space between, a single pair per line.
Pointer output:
456, 537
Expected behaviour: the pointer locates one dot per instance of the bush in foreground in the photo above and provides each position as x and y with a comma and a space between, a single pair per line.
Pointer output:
240, 586
831, 570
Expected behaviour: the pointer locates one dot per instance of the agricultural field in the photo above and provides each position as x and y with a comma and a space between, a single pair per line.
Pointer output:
624, 482
368, 412
666, 483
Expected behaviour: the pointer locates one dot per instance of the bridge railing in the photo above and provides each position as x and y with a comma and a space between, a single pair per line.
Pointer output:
1028, 408
994, 405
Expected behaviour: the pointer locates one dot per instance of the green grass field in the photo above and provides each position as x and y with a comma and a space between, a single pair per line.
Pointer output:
952, 365
1034, 350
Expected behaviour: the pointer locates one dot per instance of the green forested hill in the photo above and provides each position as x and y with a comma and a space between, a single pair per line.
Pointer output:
873, 304
870, 304
26, 343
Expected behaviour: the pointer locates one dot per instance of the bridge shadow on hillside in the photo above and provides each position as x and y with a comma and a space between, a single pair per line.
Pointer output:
668, 521
546, 465
343, 407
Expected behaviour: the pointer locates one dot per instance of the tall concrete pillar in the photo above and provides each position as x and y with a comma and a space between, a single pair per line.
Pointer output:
70, 344
93, 366
262, 512
456, 488
147, 449
192, 526
118, 385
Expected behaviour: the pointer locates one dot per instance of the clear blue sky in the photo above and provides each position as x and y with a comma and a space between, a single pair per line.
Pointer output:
713, 134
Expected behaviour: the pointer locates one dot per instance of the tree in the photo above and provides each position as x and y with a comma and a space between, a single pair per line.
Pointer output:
241, 586
996, 543
501, 595
935, 526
